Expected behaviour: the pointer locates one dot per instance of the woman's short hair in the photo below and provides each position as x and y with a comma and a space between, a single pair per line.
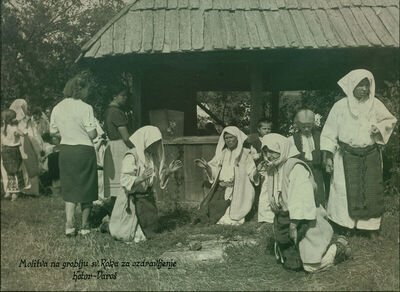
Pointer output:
77, 87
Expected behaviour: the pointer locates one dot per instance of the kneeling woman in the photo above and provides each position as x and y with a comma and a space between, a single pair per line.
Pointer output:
134, 216
302, 233
232, 173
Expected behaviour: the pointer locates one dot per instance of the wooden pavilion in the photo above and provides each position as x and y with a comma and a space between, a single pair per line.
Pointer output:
175, 48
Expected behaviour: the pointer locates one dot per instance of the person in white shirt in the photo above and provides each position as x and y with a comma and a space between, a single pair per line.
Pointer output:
307, 141
303, 235
232, 173
355, 126
73, 120
134, 217
12, 168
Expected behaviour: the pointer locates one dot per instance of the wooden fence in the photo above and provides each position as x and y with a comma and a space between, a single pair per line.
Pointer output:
186, 187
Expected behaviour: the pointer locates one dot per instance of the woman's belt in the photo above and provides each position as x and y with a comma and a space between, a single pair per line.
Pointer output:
358, 151
138, 195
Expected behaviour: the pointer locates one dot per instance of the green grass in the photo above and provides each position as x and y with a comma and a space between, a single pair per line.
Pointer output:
34, 229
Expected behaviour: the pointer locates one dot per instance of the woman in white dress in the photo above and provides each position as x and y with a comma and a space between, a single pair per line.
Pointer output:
232, 173
302, 233
134, 217
356, 125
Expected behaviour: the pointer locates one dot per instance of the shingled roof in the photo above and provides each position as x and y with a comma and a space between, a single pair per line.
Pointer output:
165, 26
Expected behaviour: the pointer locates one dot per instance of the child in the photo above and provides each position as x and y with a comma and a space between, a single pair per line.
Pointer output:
11, 158
253, 141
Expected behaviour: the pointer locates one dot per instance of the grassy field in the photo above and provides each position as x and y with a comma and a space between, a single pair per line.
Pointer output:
33, 229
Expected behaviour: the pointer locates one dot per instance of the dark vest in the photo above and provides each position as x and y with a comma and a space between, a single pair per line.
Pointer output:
316, 153
253, 140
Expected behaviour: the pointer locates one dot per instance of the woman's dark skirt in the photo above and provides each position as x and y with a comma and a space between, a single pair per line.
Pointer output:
78, 173
364, 181
12, 159
211, 212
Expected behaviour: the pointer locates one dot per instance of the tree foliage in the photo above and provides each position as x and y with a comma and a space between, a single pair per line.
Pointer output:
41, 40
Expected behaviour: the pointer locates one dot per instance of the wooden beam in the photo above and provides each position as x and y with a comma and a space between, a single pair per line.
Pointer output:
256, 88
137, 101
188, 98
211, 114
275, 110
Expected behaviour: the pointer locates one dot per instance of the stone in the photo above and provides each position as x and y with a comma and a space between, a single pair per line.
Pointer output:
195, 245
206, 250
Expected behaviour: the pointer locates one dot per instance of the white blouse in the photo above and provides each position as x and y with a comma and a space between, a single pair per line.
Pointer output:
73, 119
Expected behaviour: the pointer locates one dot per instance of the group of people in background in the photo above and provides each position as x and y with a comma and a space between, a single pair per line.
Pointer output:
284, 180
26, 148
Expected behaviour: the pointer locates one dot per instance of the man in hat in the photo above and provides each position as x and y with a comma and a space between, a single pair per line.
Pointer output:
307, 142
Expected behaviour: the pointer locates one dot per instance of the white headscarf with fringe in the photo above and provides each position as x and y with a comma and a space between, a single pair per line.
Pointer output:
281, 145
349, 82
241, 137
143, 138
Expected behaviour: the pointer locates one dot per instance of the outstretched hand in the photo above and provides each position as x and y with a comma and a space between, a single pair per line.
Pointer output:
175, 165
201, 162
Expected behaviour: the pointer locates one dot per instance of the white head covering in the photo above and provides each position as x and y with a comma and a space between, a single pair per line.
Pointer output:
143, 138
280, 144
20, 106
241, 137
349, 82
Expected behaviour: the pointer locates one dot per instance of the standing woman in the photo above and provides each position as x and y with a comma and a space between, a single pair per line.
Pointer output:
32, 145
355, 126
74, 121
135, 217
116, 128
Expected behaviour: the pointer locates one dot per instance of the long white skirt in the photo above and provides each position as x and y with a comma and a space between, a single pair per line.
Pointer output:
226, 219
124, 226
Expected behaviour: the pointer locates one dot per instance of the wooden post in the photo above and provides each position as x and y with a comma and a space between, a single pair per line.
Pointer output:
137, 101
189, 106
275, 110
256, 87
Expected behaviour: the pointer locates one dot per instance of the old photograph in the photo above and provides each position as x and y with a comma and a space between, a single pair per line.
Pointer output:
200, 145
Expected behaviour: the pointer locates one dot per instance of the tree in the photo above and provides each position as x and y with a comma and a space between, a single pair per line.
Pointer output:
41, 40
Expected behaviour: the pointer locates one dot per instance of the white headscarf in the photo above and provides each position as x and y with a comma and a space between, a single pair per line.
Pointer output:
281, 145
349, 82
143, 138
20, 106
241, 137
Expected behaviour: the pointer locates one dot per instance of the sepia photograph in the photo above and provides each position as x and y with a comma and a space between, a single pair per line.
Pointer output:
200, 145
